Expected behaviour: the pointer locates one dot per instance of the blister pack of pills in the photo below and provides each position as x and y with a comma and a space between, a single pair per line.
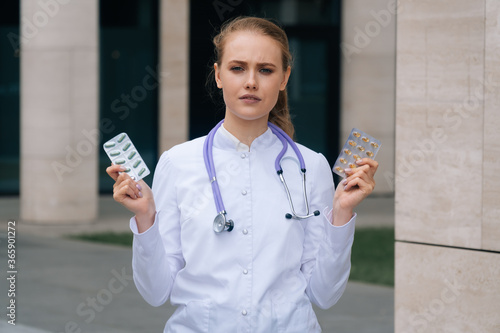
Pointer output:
122, 151
358, 145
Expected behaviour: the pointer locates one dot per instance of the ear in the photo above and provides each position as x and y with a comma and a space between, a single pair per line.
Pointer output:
217, 76
285, 78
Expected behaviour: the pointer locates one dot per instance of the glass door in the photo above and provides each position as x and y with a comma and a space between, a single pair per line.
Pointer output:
9, 97
313, 29
128, 84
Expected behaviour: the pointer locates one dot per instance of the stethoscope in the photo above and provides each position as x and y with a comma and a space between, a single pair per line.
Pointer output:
221, 223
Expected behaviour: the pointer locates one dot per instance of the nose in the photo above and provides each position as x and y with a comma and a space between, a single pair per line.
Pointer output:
251, 82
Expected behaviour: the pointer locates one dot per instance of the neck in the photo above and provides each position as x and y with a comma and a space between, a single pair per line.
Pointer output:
245, 130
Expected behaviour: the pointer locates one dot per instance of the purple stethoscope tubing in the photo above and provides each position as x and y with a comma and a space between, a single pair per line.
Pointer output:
221, 223
209, 164
284, 138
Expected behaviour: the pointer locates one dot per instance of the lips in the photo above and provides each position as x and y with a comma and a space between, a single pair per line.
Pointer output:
249, 97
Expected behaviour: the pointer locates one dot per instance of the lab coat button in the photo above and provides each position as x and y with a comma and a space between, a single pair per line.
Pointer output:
244, 192
243, 155
245, 271
244, 312
245, 231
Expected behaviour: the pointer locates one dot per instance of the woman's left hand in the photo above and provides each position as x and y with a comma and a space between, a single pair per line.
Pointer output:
357, 185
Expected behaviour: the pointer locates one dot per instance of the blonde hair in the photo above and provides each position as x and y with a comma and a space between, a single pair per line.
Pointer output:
280, 114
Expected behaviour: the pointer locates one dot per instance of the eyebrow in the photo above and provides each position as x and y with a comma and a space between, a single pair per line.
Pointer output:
262, 64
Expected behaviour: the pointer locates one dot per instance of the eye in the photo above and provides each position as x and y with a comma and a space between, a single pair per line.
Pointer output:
266, 70
236, 68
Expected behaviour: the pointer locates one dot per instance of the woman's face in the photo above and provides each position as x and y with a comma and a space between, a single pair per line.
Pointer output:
250, 74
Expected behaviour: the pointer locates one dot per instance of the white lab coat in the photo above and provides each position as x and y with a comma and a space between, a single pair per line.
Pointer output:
263, 275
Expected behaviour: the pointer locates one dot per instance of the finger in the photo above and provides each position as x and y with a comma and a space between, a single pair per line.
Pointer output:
365, 168
361, 173
373, 165
144, 188
122, 177
123, 194
353, 182
367, 160
355, 172
114, 170
125, 180
127, 188
365, 173
142, 184
134, 190
365, 187
350, 171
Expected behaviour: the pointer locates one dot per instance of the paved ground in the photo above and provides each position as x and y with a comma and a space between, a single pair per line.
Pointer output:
72, 286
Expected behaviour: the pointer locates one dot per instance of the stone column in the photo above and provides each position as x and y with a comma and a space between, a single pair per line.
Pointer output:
174, 66
59, 110
447, 158
368, 78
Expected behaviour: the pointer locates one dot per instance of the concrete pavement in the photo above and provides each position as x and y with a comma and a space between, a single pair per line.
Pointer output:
66, 285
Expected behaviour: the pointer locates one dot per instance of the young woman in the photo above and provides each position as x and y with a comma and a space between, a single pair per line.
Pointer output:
259, 265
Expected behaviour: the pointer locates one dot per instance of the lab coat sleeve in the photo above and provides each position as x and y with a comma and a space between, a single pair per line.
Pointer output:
157, 255
326, 260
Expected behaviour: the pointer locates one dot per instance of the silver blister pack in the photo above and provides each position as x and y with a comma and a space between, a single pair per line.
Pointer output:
358, 145
122, 151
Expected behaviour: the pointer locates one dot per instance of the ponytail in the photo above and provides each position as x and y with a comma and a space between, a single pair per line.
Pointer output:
280, 115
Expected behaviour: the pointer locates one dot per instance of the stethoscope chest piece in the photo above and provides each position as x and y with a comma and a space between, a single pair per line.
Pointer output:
221, 223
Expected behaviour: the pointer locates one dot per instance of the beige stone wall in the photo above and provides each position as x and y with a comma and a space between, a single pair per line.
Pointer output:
368, 78
491, 156
447, 180
59, 110
440, 289
174, 65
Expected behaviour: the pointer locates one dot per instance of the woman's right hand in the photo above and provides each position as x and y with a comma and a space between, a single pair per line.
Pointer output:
135, 196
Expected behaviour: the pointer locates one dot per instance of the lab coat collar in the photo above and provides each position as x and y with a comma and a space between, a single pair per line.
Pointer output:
226, 141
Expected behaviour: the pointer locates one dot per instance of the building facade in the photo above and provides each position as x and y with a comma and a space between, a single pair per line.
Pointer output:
147, 75
447, 181
74, 73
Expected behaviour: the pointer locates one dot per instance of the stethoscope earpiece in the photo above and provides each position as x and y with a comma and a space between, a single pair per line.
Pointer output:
298, 217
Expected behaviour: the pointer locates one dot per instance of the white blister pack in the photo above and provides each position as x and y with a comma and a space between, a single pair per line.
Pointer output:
358, 145
122, 151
